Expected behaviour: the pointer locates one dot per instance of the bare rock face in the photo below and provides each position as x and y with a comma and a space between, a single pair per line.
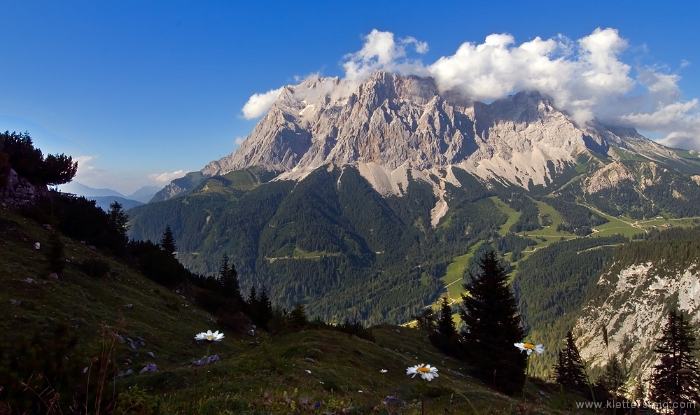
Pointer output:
171, 189
608, 177
19, 192
396, 121
633, 308
391, 126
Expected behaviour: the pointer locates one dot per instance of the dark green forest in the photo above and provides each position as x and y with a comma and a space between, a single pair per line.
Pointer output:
333, 243
329, 241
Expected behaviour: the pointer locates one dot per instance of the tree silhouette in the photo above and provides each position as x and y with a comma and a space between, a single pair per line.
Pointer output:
612, 383
229, 282
569, 369
493, 325
58, 169
297, 317
55, 255
19, 153
445, 336
119, 220
167, 242
676, 378
263, 313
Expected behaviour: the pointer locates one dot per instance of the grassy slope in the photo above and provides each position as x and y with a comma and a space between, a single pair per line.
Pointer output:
166, 321
344, 373
513, 215
453, 278
341, 366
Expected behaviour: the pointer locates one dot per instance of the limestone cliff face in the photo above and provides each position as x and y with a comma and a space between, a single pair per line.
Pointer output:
392, 121
633, 303
391, 127
608, 177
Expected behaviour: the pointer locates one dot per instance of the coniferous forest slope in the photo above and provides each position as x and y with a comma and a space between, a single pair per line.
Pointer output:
332, 242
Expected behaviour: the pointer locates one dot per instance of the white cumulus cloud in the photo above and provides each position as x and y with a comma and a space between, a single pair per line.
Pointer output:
585, 77
381, 52
87, 171
84, 162
238, 141
166, 177
577, 75
258, 104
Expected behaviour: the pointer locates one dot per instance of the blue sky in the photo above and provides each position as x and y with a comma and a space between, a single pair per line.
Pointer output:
140, 92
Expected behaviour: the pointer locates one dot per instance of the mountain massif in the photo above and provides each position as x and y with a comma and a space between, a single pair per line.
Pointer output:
370, 200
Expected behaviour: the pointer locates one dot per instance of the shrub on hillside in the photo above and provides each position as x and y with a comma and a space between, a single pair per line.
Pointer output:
41, 374
95, 267
156, 264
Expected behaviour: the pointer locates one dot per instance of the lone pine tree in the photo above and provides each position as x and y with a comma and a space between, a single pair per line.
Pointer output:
569, 369
489, 312
119, 220
676, 379
167, 242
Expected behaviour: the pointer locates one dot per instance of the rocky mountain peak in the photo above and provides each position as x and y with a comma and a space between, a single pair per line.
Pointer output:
389, 125
392, 120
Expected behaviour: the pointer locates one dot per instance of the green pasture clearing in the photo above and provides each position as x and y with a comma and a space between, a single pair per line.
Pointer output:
453, 276
513, 215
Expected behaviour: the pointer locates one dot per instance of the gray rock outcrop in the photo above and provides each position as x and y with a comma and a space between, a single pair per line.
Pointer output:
19, 192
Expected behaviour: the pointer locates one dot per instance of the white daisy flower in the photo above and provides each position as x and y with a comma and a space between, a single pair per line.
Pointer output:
209, 336
383, 371
426, 371
529, 347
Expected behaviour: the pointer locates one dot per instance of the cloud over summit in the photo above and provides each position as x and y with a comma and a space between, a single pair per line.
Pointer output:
586, 77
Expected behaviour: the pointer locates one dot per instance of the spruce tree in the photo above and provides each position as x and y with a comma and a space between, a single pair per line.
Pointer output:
489, 312
253, 299
264, 313
298, 318
228, 277
167, 242
612, 382
676, 379
569, 369
445, 337
119, 220
426, 320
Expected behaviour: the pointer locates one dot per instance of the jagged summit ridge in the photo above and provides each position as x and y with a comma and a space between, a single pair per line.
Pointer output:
394, 121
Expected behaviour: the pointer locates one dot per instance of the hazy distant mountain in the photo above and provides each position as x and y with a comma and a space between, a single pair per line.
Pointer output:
144, 194
83, 190
103, 197
104, 202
